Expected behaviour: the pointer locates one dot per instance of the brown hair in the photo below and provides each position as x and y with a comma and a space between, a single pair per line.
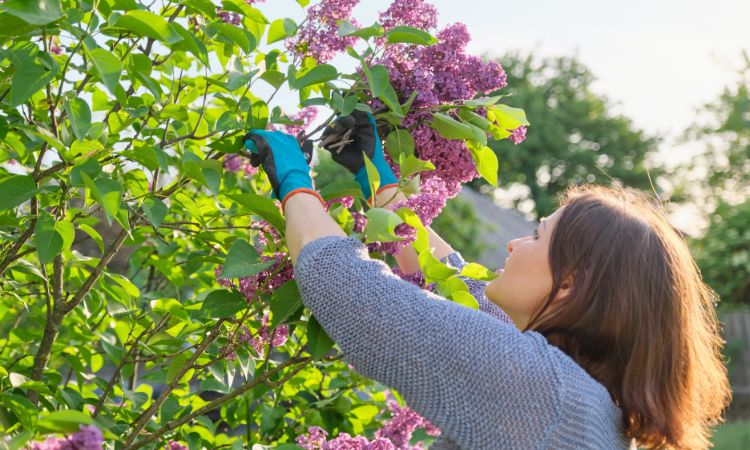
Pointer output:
637, 317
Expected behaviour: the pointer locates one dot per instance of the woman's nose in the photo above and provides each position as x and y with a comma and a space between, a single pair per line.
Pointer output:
511, 245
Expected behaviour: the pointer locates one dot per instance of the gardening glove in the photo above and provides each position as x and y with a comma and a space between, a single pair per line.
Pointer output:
363, 133
283, 160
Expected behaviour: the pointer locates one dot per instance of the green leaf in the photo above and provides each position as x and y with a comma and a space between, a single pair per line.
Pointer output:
155, 210
263, 207
177, 364
222, 303
318, 74
89, 166
380, 86
465, 299
29, 76
478, 272
47, 239
399, 141
318, 340
242, 261
381, 224
347, 28
16, 189
107, 67
148, 24
373, 176
339, 189
107, 192
243, 38
486, 160
409, 35
34, 12
190, 43
95, 236
450, 128
285, 301
79, 114
65, 421
410, 165
273, 77
66, 231
281, 29
508, 117
432, 268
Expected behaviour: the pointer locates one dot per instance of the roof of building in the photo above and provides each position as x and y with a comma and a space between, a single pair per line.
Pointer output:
504, 225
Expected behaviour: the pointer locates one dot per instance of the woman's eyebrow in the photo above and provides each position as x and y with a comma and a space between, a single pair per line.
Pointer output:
543, 219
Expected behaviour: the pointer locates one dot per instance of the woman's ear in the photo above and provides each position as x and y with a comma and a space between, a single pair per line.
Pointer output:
565, 287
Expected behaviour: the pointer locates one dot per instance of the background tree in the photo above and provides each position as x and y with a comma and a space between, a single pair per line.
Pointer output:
576, 138
717, 181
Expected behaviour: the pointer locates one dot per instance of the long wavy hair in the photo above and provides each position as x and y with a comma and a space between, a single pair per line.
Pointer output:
638, 317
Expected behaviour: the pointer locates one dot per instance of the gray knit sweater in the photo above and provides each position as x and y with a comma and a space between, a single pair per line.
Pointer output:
479, 379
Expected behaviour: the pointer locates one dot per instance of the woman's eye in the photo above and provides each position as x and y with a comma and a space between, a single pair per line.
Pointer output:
536, 234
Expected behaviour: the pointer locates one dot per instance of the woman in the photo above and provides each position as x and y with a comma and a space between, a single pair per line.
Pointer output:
598, 333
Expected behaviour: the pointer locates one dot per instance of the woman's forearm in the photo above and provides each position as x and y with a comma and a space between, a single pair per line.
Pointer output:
306, 221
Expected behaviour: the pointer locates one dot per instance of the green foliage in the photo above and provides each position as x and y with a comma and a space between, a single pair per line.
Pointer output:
723, 253
114, 117
575, 137
721, 171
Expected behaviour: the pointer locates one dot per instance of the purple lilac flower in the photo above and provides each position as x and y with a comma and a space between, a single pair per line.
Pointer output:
229, 17
318, 37
173, 445
413, 13
404, 231
347, 201
89, 438
360, 221
314, 439
402, 424
415, 278
518, 135
306, 115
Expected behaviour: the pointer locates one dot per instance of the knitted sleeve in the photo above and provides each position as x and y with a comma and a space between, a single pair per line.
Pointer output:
478, 379
477, 287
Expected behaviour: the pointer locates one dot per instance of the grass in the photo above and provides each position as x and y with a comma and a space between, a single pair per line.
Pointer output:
732, 436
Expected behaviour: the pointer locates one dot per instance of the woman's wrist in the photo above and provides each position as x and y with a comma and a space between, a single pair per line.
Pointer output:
389, 196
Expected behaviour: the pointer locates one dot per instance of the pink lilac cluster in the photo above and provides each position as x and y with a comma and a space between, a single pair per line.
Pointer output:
306, 116
402, 424
237, 163
172, 445
229, 17
407, 233
265, 281
395, 434
439, 74
264, 337
318, 36
518, 135
415, 278
88, 438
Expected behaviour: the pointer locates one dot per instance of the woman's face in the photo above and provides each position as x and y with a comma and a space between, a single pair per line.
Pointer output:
526, 280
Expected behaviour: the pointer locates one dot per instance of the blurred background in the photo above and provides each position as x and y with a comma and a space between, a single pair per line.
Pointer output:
651, 95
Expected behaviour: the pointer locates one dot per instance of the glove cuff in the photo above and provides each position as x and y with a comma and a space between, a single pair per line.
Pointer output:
387, 179
303, 191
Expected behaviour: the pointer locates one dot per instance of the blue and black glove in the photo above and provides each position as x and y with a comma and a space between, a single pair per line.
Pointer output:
364, 138
283, 160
